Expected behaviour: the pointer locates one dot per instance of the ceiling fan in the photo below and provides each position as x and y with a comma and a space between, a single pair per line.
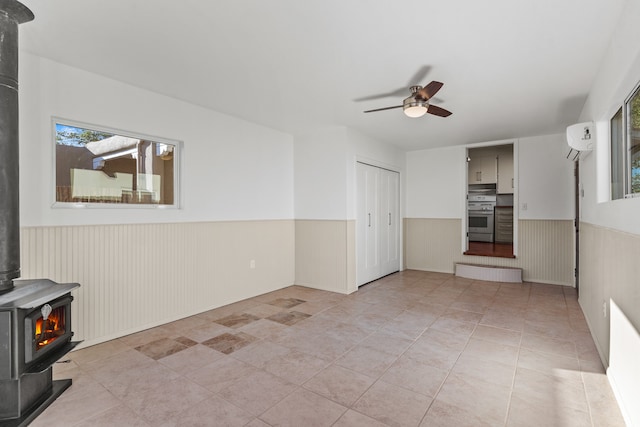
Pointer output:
417, 104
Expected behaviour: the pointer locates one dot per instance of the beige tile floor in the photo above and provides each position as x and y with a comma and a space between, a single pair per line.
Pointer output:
411, 349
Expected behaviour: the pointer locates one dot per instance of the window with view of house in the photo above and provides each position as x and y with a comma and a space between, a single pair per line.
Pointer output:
101, 166
625, 148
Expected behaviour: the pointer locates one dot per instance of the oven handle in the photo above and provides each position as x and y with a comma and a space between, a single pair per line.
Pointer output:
480, 213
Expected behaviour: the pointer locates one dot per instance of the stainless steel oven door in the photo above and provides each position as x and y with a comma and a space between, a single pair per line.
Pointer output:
481, 222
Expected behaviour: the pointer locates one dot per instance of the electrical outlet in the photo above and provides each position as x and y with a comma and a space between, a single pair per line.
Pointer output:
252, 263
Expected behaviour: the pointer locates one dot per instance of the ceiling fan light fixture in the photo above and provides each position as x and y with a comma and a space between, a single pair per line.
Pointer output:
415, 109
417, 105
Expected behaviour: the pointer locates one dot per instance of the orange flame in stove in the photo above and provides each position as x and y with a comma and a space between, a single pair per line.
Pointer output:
54, 327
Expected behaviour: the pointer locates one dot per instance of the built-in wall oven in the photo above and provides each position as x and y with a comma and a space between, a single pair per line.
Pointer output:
481, 210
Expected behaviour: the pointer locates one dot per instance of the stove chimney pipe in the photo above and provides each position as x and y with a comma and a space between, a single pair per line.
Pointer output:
12, 13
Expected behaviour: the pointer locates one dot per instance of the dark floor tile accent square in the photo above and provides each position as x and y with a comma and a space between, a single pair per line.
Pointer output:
288, 317
165, 347
228, 343
237, 320
186, 341
286, 302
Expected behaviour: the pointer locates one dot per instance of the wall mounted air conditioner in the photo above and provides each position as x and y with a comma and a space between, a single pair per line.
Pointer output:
581, 136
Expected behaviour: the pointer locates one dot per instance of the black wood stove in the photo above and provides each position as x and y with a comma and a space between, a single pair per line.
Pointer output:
35, 331
35, 315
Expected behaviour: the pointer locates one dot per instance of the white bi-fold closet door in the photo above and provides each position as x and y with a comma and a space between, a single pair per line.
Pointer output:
377, 223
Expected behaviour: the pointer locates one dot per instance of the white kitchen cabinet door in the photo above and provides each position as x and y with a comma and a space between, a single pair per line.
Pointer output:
378, 223
482, 170
505, 173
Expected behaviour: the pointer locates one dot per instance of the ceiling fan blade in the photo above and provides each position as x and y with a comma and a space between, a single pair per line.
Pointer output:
429, 90
415, 79
419, 76
382, 109
438, 111
397, 92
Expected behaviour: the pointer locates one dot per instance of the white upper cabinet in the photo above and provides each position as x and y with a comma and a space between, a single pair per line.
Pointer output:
483, 169
505, 170
492, 165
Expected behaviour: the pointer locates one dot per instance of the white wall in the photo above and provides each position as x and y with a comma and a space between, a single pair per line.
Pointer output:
231, 169
320, 174
619, 74
546, 180
325, 170
435, 183
436, 180
436, 186
236, 210
610, 239
325, 203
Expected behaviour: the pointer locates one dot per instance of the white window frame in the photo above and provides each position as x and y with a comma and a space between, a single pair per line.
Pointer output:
176, 153
625, 146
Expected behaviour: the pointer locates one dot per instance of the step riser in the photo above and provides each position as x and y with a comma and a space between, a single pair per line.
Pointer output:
489, 273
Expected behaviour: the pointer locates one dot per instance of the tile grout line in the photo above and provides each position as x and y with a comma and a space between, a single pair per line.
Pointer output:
515, 369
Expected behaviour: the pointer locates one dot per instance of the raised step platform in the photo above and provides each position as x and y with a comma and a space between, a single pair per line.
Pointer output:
489, 273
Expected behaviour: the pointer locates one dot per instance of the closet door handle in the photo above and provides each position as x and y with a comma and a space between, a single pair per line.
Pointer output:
369, 219
389, 218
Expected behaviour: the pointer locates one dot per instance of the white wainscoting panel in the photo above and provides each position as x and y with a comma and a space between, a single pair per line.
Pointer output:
134, 277
326, 255
546, 253
610, 299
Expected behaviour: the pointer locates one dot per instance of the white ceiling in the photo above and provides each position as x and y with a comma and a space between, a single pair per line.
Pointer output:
511, 68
